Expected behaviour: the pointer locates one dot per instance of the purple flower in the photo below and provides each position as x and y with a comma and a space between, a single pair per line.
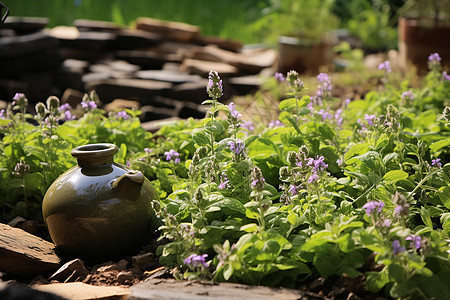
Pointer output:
279, 76
68, 115
386, 66
224, 182
339, 162
369, 118
2, 114
276, 123
436, 162
387, 223
233, 112
445, 76
248, 125
363, 126
236, 146
373, 206
293, 189
318, 164
89, 104
407, 96
172, 154
18, 96
258, 182
148, 150
347, 102
434, 57
123, 114
325, 115
416, 241
313, 178
195, 260
397, 247
65, 107
323, 78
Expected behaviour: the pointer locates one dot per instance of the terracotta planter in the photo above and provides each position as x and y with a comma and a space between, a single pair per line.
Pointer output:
98, 209
416, 43
303, 57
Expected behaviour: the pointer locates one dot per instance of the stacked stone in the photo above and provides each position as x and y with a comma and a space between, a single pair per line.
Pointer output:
158, 66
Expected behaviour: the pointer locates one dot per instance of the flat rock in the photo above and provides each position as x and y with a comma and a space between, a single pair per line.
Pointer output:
24, 254
132, 89
171, 30
168, 76
147, 59
245, 85
226, 44
14, 46
71, 37
136, 39
196, 290
73, 270
203, 67
120, 104
250, 61
25, 24
73, 97
83, 291
94, 25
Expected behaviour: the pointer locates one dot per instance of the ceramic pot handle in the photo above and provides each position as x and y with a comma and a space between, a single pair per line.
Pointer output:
133, 176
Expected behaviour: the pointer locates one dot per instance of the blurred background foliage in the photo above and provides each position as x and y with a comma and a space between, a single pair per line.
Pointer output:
372, 21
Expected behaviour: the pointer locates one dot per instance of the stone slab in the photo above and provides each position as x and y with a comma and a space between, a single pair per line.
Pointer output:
25, 24
203, 67
250, 61
146, 59
136, 39
171, 30
71, 37
94, 25
226, 44
83, 291
24, 254
132, 89
168, 76
196, 290
14, 46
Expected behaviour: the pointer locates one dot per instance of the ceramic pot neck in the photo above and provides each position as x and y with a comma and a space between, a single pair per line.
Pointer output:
95, 155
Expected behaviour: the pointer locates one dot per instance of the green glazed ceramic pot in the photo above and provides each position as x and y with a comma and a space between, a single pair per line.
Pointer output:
99, 209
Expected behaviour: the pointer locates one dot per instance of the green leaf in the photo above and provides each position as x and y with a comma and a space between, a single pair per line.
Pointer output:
444, 196
355, 149
294, 124
227, 271
201, 138
375, 281
252, 227
214, 126
440, 144
425, 215
395, 175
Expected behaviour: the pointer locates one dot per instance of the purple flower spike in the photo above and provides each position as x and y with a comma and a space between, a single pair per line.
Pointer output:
416, 241
445, 76
397, 247
123, 114
248, 125
434, 57
373, 207
436, 162
386, 66
172, 154
279, 76
195, 260
236, 146
276, 123
369, 119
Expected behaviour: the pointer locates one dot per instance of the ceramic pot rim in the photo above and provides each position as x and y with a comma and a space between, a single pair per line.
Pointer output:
95, 153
